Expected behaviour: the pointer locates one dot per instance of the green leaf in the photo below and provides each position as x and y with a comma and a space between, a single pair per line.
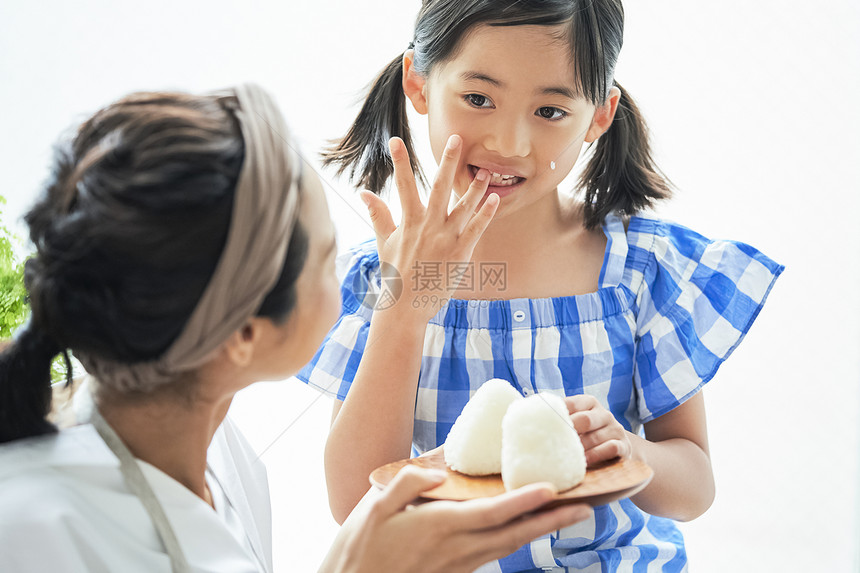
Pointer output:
13, 302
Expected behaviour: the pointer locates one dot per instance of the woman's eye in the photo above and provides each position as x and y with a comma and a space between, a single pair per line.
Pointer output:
477, 100
553, 113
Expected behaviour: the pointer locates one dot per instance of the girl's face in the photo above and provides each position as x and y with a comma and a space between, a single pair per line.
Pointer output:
510, 93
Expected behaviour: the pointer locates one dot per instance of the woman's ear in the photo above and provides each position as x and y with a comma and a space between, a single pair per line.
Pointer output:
239, 348
414, 83
603, 115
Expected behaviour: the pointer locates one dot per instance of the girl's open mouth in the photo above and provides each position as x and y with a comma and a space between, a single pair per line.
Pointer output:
500, 183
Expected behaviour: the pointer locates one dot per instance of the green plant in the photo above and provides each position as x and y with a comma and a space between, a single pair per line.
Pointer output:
14, 306
13, 296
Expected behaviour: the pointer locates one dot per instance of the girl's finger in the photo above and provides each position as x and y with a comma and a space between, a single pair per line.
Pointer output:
580, 402
606, 451
440, 194
593, 439
380, 216
479, 222
465, 207
589, 420
404, 180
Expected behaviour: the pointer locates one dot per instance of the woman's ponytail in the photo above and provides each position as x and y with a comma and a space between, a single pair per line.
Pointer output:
621, 175
363, 152
25, 384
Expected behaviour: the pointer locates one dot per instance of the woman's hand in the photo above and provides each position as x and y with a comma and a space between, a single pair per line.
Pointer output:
602, 436
385, 533
429, 238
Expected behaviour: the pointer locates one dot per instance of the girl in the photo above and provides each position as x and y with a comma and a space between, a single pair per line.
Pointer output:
626, 316
183, 253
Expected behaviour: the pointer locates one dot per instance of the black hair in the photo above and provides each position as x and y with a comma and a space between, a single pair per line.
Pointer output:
620, 176
128, 232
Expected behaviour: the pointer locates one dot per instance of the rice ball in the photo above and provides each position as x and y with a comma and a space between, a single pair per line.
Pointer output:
540, 444
474, 444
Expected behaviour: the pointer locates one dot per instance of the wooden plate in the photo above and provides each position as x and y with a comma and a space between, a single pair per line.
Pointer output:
603, 483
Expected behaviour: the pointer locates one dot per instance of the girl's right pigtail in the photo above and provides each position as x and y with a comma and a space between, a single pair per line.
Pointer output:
621, 175
25, 384
363, 152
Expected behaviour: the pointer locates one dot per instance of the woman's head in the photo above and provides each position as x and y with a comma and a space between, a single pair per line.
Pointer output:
137, 223
533, 47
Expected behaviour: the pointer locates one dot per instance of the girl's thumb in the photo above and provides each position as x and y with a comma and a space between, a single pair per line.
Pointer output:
380, 216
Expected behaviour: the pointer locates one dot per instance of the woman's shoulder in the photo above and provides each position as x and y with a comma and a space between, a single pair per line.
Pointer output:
75, 446
44, 480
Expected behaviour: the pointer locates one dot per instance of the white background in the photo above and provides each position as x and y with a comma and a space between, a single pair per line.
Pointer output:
753, 111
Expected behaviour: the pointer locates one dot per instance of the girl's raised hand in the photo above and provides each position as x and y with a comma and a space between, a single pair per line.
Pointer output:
603, 437
385, 533
429, 239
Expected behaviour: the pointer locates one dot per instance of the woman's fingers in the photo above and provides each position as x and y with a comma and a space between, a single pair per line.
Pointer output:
404, 179
440, 194
495, 511
504, 540
405, 487
380, 216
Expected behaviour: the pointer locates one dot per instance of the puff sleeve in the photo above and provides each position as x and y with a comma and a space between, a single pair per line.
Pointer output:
696, 299
333, 367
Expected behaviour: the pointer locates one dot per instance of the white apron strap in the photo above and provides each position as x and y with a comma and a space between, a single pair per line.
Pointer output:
137, 484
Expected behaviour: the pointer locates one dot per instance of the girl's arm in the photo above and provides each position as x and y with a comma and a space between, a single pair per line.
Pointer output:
675, 446
374, 424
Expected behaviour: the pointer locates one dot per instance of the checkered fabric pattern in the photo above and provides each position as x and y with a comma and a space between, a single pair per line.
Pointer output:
670, 308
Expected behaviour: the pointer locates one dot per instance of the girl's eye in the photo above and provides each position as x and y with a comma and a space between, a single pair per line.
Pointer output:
551, 113
477, 100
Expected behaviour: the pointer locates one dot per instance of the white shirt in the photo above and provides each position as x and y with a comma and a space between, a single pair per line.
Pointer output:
65, 507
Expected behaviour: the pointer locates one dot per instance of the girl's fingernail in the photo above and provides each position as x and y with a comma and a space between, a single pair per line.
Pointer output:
365, 199
454, 142
482, 175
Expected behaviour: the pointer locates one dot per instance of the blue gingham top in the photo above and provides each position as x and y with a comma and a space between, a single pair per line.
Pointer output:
670, 307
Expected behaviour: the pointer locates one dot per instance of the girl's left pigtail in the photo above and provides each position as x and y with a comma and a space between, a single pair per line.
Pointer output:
621, 175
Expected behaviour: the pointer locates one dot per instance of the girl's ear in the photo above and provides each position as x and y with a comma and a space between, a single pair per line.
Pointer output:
603, 116
239, 348
414, 83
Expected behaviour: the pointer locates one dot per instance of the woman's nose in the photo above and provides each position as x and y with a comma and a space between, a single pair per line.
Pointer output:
509, 137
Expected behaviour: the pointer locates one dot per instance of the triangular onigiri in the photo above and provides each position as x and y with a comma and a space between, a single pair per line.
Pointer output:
540, 444
474, 444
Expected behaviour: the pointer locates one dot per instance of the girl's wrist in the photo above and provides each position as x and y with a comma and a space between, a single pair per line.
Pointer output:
637, 447
402, 317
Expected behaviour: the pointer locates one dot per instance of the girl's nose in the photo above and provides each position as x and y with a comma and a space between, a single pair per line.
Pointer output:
509, 137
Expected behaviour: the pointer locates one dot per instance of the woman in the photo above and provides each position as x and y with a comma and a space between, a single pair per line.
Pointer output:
184, 254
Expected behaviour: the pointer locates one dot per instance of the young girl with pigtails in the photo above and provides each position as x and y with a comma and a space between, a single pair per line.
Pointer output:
625, 315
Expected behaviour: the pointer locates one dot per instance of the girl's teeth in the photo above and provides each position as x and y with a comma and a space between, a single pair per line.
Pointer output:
499, 179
